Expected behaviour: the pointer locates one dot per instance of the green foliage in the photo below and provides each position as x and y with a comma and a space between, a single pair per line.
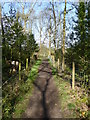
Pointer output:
17, 45
80, 47
71, 106
13, 96
54, 71
31, 46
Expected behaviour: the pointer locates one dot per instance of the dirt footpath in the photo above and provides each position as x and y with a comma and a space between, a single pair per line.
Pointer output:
44, 102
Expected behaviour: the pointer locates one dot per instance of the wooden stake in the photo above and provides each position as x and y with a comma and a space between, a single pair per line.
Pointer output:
51, 58
53, 61
58, 63
19, 71
73, 75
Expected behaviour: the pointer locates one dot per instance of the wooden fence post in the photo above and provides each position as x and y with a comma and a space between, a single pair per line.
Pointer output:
49, 53
58, 63
19, 71
53, 61
73, 75
51, 58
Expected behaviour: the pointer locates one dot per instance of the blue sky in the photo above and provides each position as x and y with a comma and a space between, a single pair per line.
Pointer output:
37, 9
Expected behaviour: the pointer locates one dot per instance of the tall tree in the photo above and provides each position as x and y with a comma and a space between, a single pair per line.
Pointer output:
63, 46
50, 37
55, 30
80, 48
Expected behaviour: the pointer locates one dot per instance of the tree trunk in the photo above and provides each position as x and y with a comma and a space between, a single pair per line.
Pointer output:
2, 30
49, 44
63, 46
31, 26
40, 38
11, 61
50, 38
60, 32
0, 13
17, 15
55, 26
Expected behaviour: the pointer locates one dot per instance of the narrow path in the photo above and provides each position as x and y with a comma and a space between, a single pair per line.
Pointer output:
44, 102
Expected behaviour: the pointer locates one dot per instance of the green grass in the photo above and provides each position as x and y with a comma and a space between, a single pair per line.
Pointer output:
26, 90
73, 102
64, 95
71, 106
54, 71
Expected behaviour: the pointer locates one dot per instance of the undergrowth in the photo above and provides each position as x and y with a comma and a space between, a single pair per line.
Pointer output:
15, 99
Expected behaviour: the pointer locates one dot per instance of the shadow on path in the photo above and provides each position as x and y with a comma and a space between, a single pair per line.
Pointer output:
44, 102
43, 93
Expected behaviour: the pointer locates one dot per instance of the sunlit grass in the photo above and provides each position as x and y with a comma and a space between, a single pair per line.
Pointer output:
73, 102
64, 96
26, 88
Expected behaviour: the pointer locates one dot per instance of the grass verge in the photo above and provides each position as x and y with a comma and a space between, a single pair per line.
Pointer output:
73, 102
16, 98
26, 89
67, 106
